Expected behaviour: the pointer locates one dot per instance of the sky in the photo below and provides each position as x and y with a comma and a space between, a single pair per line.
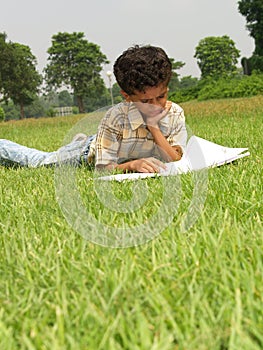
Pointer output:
175, 25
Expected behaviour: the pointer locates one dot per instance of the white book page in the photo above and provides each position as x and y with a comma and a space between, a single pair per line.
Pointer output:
199, 154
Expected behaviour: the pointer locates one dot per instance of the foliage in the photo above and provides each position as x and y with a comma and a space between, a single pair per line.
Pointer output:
19, 80
76, 63
229, 87
188, 82
51, 98
116, 92
216, 56
36, 109
252, 64
196, 290
11, 110
2, 114
75, 110
94, 101
232, 87
51, 112
174, 81
185, 94
44, 105
256, 62
186, 90
65, 99
253, 11
2, 51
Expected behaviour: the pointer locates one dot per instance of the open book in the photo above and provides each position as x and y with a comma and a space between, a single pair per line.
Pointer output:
199, 154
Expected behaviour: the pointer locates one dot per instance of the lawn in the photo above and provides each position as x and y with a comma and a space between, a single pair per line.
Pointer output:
193, 289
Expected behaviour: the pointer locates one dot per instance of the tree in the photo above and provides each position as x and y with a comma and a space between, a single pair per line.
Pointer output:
2, 57
65, 99
35, 109
116, 92
2, 114
253, 11
76, 63
97, 99
216, 56
174, 81
11, 110
19, 79
188, 82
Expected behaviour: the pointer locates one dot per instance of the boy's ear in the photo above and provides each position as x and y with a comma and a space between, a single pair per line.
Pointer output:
126, 96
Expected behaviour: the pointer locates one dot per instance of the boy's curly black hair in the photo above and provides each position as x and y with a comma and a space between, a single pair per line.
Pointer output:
140, 67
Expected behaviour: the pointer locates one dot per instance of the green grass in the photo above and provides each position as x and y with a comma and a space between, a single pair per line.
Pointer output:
199, 289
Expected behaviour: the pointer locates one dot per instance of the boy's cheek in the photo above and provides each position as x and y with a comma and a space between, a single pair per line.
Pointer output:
150, 110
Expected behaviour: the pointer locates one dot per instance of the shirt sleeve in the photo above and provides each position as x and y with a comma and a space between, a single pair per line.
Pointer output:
178, 134
109, 137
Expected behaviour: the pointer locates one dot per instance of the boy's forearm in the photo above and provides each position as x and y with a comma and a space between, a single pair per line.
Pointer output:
141, 165
169, 153
124, 166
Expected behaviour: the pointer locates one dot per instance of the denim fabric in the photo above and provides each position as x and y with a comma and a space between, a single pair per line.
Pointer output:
12, 153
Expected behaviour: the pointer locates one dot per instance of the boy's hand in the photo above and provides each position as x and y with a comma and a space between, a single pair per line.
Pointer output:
178, 150
147, 165
153, 120
152, 114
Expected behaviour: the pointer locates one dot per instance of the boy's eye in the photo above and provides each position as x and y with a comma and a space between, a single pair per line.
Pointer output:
158, 98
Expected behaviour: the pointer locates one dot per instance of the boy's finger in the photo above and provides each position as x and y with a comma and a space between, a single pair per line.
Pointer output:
155, 164
158, 162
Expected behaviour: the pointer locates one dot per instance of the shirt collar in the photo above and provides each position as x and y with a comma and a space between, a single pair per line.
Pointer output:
135, 117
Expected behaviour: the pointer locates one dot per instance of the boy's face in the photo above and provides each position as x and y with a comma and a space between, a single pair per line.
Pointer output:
150, 102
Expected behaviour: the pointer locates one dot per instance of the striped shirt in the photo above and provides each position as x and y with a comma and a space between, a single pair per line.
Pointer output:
123, 136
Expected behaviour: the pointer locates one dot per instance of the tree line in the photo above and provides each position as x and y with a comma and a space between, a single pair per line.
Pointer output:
73, 73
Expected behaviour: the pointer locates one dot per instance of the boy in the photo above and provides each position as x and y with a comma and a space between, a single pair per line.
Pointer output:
138, 134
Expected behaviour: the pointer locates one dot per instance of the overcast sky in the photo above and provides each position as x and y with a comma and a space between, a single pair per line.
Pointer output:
114, 25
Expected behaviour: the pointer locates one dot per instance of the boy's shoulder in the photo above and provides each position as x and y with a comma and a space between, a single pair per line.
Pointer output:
116, 115
176, 108
120, 111
121, 107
